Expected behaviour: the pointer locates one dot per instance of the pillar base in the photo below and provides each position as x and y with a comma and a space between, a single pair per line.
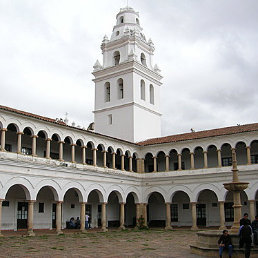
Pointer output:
104, 229
168, 228
83, 230
59, 232
194, 228
122, 227
222, 227
30, 233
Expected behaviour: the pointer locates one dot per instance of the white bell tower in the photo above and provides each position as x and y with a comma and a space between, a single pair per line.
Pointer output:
127, 85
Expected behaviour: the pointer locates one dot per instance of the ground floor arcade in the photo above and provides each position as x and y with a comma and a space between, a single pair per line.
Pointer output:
49, 210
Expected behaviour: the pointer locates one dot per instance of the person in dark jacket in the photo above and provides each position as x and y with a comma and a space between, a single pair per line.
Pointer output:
225, 243
245, 234
255, 230
245, 219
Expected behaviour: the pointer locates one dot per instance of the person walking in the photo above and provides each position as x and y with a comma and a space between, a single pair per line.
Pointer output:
245, 219
87, 217
245, 234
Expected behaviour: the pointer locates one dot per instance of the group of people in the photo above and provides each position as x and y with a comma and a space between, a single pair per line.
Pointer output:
246, 231
76, 224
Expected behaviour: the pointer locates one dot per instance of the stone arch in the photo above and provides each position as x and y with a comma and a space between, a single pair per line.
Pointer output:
180, 188
53, 185
119, 192
23, 182
134, 192
77, 187
211, 187
28, 130
42, 133
251, 191
99, 189
151, 190
68, 140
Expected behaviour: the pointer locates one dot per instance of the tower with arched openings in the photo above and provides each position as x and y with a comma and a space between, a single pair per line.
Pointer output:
123, 107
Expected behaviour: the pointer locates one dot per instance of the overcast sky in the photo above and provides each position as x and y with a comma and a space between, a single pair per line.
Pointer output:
207, 51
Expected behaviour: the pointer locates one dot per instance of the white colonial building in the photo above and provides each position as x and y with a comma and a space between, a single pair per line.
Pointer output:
50, 171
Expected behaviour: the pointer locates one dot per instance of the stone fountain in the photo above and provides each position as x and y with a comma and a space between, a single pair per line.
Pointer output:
207, 241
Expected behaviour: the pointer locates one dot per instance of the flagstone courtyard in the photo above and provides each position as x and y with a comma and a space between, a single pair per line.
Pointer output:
115, 243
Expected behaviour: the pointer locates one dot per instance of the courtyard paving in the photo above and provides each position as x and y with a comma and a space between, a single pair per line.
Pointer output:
93, 243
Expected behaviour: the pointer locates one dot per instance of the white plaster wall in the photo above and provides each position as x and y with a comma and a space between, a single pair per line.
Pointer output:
146, 125
122, 123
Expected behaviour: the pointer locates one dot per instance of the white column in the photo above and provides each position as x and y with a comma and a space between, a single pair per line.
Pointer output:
179, 157
48, 140
19, 134
194, 217
1, 202
3, 130
94, 154
34, 145
30, 218
252, 209
131, 164
114, 160
73, 152
103, 217
167, 163
219, 157
83, 155
222, 216
61, 150
122, 162
82, 217
59, 218
154, 164
137, 213
122, 215
205, 159
248, 155
104, 159
168, 216
192, 160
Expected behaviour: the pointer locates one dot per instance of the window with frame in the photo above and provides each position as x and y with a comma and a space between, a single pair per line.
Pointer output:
41, 207
142, 90
174, 212
120, 84
116, 57
227, 161
8, 147
5, 203
151, 94
26, 151
107, 92
110, 119
229, 211
254, 159
185, 206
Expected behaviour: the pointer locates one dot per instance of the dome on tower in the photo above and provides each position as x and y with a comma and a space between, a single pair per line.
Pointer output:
127, 24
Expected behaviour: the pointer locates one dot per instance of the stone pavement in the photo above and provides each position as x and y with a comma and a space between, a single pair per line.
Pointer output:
93, 243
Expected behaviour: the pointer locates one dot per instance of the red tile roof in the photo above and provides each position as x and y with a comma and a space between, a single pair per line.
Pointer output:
201, 134
166, 139
32, 115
